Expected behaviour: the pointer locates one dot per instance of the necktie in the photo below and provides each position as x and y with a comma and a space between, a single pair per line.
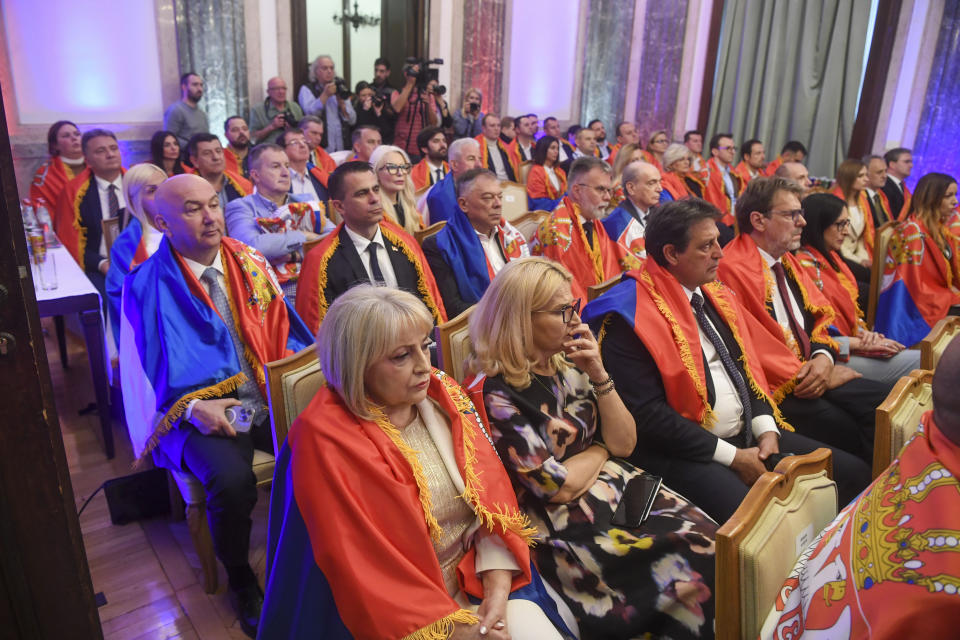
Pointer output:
248, 393
438, 175
727, 361
878, 205
588, 229
798, 331
113, 203
375, 264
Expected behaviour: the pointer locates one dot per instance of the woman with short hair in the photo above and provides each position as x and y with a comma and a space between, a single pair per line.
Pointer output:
409, 513
562, 431
677, 161
546, 182
392, 166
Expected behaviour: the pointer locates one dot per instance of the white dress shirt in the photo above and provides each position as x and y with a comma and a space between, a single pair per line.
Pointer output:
726, 404
383, 258
103, 190
301, 183
491, 248
496, 161
780, 308
552, 177
151, 239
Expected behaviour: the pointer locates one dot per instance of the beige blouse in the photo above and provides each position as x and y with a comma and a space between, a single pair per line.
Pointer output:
853, 247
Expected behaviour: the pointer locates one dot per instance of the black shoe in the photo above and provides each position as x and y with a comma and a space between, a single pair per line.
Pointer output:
247, 602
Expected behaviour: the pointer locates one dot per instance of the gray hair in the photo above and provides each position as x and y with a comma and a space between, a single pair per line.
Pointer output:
466, 181
632, 171
316, 63
586, 164
458, 148
674, 153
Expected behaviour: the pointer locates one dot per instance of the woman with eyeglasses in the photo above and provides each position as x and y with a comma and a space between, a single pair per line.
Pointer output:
657, 144
562, 432
546, 182
857, 250
923, 263
871, 353
392, 166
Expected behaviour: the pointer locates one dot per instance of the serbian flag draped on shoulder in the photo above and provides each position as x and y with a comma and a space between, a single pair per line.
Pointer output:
175, 347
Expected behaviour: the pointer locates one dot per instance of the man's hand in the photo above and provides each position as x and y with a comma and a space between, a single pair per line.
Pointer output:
103, 267
768, 443
310, 235
328, 90
813, 377
210, 419
747, 465
278, 122
841, 375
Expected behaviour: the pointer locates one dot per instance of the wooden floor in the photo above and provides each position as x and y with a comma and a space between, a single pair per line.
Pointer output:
147, 571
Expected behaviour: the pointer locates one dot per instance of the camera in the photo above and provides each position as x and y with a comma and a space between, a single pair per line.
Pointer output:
427, 73
290, 120
474, 107
343, 91
382, 96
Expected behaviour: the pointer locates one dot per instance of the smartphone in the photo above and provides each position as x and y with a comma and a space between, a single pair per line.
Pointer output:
637, 500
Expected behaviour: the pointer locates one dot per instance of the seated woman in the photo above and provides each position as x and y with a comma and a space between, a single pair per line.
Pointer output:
857, 250
872, 354
65, 163
561, 429
546, 182
628, 153
923, 264
677, 160
657, 144
139, 240
409, 512
165, 153
392, 166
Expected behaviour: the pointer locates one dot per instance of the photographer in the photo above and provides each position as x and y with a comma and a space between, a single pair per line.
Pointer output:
275, 115
467, 119
371, 107
415, 106
328, 97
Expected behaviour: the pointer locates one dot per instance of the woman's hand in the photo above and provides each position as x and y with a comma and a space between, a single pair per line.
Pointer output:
493, 609
582, 350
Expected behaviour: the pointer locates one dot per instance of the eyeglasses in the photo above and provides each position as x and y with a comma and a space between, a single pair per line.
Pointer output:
604, 191
841, 225
397, 169
296, 143
566, 311
660, 141
794, 215
730, 148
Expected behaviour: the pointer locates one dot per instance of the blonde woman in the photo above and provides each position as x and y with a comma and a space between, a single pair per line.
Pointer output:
562, 432
392, 166
139, 240
628, 153
406, 507
468, 119
657, 144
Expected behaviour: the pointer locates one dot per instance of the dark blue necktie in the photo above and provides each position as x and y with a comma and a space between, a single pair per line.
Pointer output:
375, 264
727, 361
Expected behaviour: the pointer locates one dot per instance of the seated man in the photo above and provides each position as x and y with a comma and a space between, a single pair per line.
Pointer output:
441, 200
433, 167
198, 406
681, 351
603, 147
627, 133
475, 243
551, 127
827, 402
364, 248
494, 153
312, 127
238, 145
523, 142
366, 138
574, 235
273, 221
792, 151
207, 157
796, 172
642, 188
887, 566
753, 158
87, 200
306, 179
723, 185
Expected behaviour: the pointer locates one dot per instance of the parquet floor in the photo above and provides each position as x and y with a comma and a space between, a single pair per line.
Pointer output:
147, 571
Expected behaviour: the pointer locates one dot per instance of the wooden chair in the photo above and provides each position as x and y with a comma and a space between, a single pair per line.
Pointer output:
899, 416
931, 347
783, 512
291, 385
514, 200
525, 167
880, 244
432, 230
453, 338
597, 290
528, 223
111, 229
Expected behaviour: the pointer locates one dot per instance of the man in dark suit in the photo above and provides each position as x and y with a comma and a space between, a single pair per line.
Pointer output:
680, 349
899, 165
364, 248
876, 179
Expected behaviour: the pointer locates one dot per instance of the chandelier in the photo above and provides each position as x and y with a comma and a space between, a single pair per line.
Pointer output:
355, 18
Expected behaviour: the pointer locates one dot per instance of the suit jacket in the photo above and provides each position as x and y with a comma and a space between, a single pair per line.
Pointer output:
883, 213
87, 214
894, 196
446, 281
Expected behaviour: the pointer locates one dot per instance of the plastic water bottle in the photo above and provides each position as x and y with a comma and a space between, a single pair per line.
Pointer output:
45, 223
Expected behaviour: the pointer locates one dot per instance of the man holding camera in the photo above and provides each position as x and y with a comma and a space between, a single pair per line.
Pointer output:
275, 115
327, 96
416, 107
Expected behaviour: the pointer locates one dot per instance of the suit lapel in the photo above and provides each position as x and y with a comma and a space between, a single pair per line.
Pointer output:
405, 272
357, 273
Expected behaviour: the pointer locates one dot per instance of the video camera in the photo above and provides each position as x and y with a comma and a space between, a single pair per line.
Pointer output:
427, 74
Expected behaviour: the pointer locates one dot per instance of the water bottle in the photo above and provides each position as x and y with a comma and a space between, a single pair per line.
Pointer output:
45, 223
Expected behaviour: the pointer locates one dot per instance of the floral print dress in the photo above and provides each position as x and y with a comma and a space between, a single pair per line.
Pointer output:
655, 581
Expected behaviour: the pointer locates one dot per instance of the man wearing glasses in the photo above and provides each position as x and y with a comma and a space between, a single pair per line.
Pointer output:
822, 400
723, 185
305, 178
574, 236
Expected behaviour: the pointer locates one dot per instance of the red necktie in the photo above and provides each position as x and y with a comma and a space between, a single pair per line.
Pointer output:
798, 331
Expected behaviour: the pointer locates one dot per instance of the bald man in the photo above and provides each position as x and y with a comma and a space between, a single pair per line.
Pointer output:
797, 173
192, 362
274, 115
890, 562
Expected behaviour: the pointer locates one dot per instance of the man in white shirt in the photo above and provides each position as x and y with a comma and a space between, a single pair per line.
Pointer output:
586, 141
524, 141
876, 178
603, 147
899, 166
305, 179
703, 426
495, 155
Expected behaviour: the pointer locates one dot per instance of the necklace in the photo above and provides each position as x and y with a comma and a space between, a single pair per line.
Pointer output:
553, 378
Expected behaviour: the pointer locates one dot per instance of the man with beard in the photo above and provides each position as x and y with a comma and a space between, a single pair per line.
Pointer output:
603, 149
238, 144
523, 142
184, 118
433, 147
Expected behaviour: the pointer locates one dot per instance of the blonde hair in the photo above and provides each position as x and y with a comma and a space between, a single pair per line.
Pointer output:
361, 327
501, 325
412, 221
134, 181
623, 159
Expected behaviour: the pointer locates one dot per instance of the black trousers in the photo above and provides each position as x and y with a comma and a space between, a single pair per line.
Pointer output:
844, 417
224, 467
718, 491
